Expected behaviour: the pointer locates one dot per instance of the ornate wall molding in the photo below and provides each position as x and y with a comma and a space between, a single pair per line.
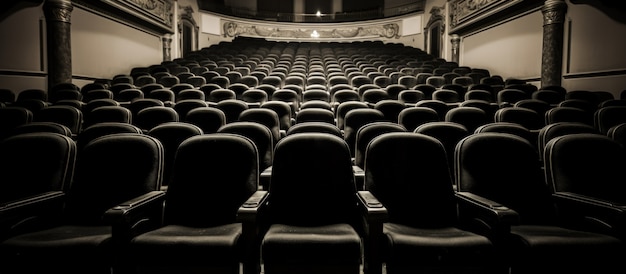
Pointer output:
151, 14
468, 14
384, 30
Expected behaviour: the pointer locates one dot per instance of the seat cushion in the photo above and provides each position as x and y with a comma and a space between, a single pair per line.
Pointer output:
332, 244
435, 246
83, 243
183, 245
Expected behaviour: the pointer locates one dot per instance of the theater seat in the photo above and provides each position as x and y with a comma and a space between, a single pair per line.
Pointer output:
408, 173
317, 230
585, 174
37, 168
116, 175
498, 174
214, 174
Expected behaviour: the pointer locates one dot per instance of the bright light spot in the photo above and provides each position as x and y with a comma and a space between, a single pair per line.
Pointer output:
318, 14
315, 34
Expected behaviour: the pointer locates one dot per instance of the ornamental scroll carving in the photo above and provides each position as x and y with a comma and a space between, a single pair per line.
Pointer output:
159, 8
463, 9
233, 29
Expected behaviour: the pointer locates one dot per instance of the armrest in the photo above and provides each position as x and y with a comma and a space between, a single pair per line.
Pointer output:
592, 213
373, 209
134, 216
35, 200
485, 216
248, 211
375, 214
25, 212
248, 215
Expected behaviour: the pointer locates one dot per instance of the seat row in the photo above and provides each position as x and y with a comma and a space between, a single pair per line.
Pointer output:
493, 211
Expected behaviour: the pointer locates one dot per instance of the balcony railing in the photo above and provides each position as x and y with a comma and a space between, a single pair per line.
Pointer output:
351, 16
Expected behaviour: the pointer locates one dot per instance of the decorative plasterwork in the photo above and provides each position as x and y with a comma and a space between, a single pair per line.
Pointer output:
464, 12
157, 12
388, 30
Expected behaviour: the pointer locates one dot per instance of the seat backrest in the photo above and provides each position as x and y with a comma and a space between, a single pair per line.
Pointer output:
320, 173
283, 110
568, 114
504, 168
368, 132
68, 116
184, 106
151, 117
171, 134
342, 109
108, 114
390, 108
524, 116
618, 133
260, 135
105, 128
266, 117
33, 127
322, 127
557, 129
470, 117
232, 108
607, 117
411, 117
448, 133
13, 116
588, 164
213, 175
510, 96
35, 163
357, 118
209, 119
113, 169
409, 174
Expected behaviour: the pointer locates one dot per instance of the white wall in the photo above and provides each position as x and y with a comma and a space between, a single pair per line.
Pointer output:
103, 48
513, 49
23, 50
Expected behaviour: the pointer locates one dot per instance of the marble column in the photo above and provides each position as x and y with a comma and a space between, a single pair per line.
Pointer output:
553, 32
456, 44
58, 42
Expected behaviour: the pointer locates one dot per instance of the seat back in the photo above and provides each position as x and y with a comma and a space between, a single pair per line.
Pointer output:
357, 118
208, 119
150, 117
369, 131
587, 164
260, 135
409, 174
504, 168
171, 134
35, 163
213, 175
68, 116
113, 169
320, 173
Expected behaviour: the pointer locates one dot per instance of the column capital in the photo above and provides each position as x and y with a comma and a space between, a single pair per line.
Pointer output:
58, 10
554, 12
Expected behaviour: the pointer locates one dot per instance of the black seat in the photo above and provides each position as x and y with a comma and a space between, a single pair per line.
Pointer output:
408, 173
114, 175
498, 174
316, 231
214, 174
585, 173
37, 168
